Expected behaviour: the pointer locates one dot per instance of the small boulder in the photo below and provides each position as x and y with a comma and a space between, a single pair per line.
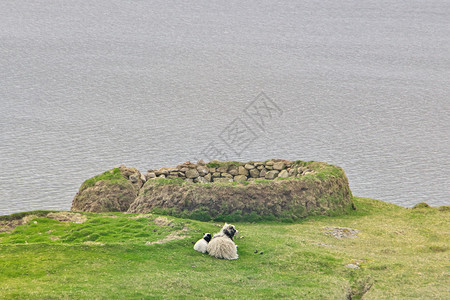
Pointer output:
223, 180
243, 171
279, 165
150, 175
192, 173
222, 169
272, 174
254, 173
263, 172
208, 177
202, 170
233, 170
201, 179
283, 174
240, 178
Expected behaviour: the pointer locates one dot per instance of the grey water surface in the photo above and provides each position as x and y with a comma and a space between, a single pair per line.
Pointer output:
89, 85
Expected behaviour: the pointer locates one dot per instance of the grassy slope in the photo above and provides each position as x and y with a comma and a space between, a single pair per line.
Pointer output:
403, 252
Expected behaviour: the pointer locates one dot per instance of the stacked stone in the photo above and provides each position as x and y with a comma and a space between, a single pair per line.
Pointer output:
201, 172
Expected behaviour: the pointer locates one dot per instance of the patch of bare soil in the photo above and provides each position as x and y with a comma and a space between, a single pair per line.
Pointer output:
176, 235
94, 243
6, 226
65, 216
341, 232
162, 221
141, 216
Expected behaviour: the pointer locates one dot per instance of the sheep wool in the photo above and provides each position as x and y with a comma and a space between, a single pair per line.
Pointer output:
222, 244
202, 244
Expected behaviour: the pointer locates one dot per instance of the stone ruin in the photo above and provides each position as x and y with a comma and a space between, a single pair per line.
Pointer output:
216, 171
275, 189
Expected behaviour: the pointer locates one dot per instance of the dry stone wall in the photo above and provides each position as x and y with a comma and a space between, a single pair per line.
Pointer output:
224, 191
216, 171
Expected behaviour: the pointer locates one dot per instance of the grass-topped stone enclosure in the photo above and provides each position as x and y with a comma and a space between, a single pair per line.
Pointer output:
224, 191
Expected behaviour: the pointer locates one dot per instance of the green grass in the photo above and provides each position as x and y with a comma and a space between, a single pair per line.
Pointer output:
403, 254
166, 181
216, 163
112, 175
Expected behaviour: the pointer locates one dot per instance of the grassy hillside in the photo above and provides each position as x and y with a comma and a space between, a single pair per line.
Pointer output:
401, 253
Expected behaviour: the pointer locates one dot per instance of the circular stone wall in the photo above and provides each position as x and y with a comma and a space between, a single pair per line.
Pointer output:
234, 191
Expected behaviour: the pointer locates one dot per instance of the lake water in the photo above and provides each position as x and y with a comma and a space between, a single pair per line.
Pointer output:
86, 86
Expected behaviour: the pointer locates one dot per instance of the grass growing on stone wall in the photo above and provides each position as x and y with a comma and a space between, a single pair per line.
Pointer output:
166, 181
113, 175
217, 164
401, 253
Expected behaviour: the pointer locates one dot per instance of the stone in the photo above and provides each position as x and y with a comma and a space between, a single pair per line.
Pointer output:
300, 170
263, 172
233, 170
184, 169
189, 180
222, 169
164, 171
162, 176
181, 174
226, 175
352, 266
212, 170
341, 232
202, 170
172, 176
283, 174
143, 178
240, 178
223, 179
270, 163
216, 175
269, 167
279, 165
208, 177
201, 162
254, 173
150, 175
292, 172
271, 174
202, 179
192, 173
249, 166
171, 170
243, 171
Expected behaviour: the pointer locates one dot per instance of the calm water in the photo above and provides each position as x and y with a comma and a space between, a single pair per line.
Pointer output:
88, 86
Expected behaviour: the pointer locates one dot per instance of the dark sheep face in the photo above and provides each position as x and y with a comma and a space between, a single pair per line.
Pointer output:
230, 231
207, 237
